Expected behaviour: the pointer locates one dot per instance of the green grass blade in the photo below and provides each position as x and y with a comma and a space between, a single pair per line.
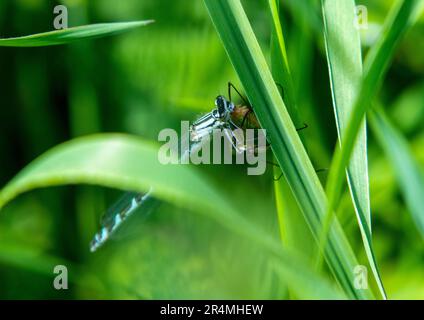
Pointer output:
293, 228
73, 34
281, 74
408, 173
246, 56
280, 64
129, 163
345, 68
375, 68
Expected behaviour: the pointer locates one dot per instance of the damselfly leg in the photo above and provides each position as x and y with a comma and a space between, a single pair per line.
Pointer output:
231, 86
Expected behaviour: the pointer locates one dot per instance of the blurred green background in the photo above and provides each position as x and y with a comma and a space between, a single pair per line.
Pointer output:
154, 77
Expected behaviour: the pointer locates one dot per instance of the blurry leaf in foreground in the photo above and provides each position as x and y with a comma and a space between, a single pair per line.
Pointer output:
116, 161
69, 35
130, 163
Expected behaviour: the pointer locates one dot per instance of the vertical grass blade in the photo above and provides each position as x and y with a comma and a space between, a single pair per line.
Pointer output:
408, 173
376, 64
280, 64
246, 56
344, 59
293, 228
375, 67
281, 74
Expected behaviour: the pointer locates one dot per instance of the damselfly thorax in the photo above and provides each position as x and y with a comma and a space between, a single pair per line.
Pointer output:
231, 120
244, 117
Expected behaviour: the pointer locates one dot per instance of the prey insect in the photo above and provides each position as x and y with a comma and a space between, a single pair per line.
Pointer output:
225, 115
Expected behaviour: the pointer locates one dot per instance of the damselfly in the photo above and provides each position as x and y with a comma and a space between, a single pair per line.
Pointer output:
225, 115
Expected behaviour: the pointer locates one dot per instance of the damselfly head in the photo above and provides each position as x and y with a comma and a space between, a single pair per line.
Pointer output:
223, 107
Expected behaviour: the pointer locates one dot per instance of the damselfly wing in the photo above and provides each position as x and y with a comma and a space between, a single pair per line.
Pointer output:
120, 212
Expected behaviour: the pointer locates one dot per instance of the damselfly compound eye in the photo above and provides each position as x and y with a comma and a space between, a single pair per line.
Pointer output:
221, 104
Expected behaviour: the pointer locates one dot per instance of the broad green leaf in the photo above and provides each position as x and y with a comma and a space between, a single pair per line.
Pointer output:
129, 163
73, 34
345, 68
408, 173
246, 56
116, 161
